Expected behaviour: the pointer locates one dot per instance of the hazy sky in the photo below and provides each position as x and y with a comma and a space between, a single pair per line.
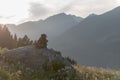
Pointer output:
17, 11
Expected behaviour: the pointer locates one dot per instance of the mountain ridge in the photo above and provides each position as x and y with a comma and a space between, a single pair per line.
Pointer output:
94, 41
53, 26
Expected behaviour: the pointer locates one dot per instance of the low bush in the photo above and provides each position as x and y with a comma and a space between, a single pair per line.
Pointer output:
53, 65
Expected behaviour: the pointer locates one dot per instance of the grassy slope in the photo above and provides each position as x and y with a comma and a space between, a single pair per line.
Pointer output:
11, 71
93, 73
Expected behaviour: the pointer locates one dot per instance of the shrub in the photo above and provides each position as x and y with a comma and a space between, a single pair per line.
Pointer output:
57, 65
4, 75
73, 62
54, 65
2, 50
117, 77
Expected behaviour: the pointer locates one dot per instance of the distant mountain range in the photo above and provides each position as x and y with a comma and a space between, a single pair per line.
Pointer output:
52, 26
95, 41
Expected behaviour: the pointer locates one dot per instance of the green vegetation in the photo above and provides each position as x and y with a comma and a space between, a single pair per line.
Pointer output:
73, 62
42, 42
17, 71
23, 41
117, 76
4, 75
2, 50
53, 66
52, 70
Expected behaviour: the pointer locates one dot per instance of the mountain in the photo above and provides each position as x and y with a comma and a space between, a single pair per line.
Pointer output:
95, 41
52, 26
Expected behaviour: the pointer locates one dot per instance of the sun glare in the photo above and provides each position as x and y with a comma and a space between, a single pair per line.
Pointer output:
118, 2
17, 11
11, 11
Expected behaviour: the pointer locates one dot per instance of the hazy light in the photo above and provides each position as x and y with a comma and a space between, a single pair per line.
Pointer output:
118, 2
16, 11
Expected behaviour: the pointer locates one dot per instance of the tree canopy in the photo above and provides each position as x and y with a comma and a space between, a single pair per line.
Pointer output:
7, 40
42, 42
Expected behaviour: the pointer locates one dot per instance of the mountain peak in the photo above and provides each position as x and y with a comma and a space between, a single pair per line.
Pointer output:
113, 12
91, 15
117, 8
64, 17
57, 15
62, 14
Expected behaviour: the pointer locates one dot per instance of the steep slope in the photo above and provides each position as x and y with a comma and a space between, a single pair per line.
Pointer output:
52, 26
95, 41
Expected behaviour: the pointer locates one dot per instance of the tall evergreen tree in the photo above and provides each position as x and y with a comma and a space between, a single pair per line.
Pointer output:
6, 38
24, 41
9, 41
42, 42
15, 37
15, 41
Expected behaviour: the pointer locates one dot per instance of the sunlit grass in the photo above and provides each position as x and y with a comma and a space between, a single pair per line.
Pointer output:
2, 50
93, 73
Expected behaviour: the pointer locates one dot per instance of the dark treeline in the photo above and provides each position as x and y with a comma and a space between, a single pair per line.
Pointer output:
11, 41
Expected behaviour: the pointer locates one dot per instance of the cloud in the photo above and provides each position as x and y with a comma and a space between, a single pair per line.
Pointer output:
7, 17
44, 8
86, 7
67, 6
37, 10
97, 6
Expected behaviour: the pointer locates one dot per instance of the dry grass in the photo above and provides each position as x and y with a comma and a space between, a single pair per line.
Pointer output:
93, 73
2, 50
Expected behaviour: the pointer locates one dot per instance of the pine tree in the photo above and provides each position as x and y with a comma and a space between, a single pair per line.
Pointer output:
15, 37
15, 41
6, 40
9, 41
24, 41
42, 42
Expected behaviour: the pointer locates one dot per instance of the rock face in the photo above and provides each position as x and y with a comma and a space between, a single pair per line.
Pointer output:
32, 57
